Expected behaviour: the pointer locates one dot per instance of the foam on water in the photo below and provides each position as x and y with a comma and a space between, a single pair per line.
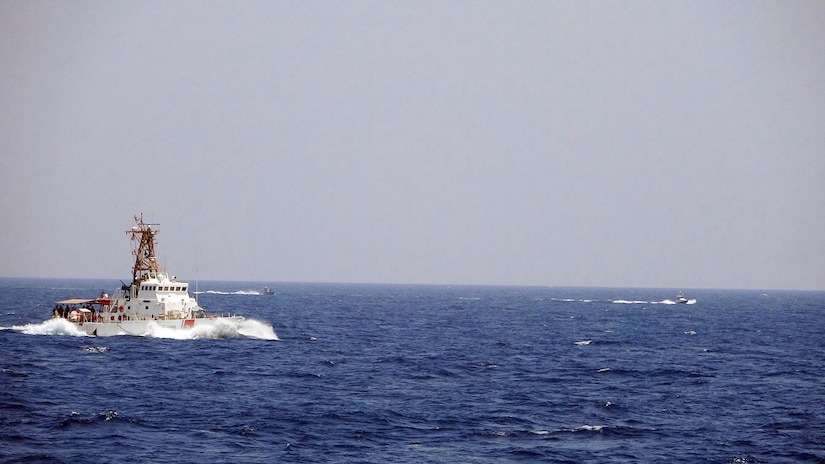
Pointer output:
589, 428
257, 329
56, 326
248, 328
95, 349
237, 292
221, 329
663, 302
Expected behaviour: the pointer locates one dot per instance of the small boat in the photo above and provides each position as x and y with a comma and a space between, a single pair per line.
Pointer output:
267, 291
152, 298
680, 298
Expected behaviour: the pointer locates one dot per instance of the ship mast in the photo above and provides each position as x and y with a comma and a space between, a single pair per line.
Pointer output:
146, 263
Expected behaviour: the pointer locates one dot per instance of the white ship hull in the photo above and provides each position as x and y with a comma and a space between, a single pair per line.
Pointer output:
141, 328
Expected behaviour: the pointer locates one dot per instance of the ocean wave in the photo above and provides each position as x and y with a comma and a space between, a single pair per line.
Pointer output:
486, 382
76, 419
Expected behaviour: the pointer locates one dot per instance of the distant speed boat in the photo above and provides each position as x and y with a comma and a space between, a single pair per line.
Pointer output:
680, 298
267, 291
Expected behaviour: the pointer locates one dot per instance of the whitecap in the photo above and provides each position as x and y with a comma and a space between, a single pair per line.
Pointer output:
584, 342
95, 349
589, 428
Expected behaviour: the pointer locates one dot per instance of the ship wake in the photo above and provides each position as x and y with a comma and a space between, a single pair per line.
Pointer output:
248, 328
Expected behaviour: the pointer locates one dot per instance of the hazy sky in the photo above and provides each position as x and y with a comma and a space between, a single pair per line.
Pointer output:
663, 143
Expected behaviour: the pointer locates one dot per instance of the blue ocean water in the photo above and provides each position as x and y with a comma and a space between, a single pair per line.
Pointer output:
413, 374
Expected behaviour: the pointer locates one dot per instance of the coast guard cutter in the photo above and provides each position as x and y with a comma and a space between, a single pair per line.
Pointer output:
152, 299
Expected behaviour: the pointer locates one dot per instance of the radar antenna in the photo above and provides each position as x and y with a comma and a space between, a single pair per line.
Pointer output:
146, 263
